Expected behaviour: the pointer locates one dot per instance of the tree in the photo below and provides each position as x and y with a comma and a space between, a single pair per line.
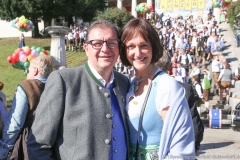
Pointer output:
46, 10
232, 12
115, 15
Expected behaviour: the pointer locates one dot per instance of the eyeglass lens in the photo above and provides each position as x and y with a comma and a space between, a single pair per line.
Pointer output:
97, 44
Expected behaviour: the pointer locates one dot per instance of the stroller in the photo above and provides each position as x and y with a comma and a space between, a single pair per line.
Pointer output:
236, 118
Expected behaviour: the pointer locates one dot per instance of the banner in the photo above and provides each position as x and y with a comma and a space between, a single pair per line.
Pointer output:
181, 7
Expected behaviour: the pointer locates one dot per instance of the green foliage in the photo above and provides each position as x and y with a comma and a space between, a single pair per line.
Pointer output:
232, 12
45, 10
115, 15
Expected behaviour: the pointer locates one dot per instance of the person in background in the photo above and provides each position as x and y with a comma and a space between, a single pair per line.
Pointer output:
81, 112
3, 97
237, 73
217, 46
181, 72
22, 41
20, 117
215, 72
195, 71
71, 40
206, 86
198, 92
141, 48
224, 81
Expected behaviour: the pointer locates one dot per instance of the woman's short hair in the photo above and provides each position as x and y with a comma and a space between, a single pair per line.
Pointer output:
142, 27
103, 24
227, 66
44, 65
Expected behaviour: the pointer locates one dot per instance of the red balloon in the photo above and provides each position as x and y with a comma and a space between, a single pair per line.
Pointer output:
15, 57
28, 51
18, 50
10, 60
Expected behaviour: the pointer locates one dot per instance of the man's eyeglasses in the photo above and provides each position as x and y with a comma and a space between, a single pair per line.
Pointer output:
97, 44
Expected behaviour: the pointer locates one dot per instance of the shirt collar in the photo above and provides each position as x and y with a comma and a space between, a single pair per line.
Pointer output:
99, 77
42, 79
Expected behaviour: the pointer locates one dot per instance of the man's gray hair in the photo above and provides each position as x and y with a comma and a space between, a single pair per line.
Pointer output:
44, 65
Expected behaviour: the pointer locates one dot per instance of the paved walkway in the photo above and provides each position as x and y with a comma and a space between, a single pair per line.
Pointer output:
223, 143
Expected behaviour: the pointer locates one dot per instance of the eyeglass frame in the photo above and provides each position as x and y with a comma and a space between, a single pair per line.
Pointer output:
90, 42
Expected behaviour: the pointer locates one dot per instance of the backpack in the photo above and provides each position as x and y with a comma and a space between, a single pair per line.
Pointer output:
195, 91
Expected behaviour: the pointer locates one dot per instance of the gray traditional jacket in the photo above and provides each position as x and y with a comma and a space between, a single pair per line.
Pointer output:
73, 118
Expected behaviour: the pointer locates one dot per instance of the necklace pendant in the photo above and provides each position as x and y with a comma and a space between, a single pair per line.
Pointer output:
135, 102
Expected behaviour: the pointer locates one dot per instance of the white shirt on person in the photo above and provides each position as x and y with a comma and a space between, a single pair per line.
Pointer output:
163, 98
195, 71
181, 72
215, 66
70, 36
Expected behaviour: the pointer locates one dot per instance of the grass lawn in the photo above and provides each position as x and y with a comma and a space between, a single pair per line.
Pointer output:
11, 76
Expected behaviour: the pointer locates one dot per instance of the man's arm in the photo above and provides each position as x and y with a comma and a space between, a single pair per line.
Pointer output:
48, 116
14, 122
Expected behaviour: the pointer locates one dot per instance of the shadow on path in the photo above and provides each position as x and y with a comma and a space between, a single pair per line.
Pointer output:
232, 59
215, 145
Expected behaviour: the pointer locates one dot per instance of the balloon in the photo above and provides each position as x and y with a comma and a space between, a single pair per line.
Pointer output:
33, 47
30, 57
18, 50
26, 64
22, 52
17, 65
15, 57
34, 53
39, 49
28, 51
21, 24
10, 59
23, 58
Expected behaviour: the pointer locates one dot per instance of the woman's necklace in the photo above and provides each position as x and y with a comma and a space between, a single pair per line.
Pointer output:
137, 82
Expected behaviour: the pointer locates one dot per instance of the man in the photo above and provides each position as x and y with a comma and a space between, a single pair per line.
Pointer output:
237, 28
20, 117
81, 114
164, 64
181, 72
183, 45
217, 46
216, 72
195, 71
77, 39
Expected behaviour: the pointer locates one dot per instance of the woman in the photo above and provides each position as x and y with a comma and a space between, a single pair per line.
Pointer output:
170, 134
206, 86
22, 42
224, 81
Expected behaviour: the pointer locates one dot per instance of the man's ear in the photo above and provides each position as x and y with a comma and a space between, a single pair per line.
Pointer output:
85, 46
35, 71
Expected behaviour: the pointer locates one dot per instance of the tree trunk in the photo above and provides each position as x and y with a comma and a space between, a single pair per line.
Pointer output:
69, 19
35, 32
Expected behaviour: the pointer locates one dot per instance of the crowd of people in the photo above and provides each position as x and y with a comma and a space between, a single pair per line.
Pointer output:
95, 111
76, 37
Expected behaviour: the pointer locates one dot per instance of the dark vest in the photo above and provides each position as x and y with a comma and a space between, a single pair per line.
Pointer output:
33, 90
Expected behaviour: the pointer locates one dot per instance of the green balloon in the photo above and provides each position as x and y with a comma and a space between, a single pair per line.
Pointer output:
26, 64
16, 65
33, 47
39, 49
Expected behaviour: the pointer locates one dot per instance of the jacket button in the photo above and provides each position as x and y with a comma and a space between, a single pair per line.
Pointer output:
115, 151
100, 88
106, 95
107, 141
108, 116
